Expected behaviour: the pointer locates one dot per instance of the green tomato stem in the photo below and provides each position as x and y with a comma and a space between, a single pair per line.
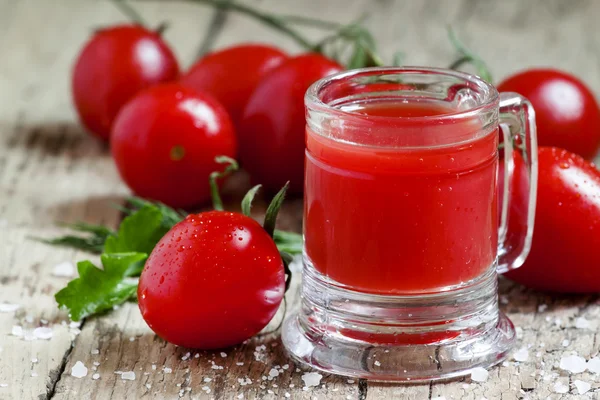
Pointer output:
231, 166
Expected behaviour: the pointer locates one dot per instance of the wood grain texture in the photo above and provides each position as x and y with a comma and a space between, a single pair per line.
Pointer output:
50, 170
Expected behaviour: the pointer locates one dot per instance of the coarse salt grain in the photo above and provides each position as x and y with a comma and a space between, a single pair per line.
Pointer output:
573, 364
479, 374
377, 363
34, 360
79, 370
65, 269
582, 387
560, 387
153, 367
167, 370
95, 351
311, 379
287, 395
8, 307
565, 343
350, 381
96, 377
240, 396
197, 355
223, 354
593, 365
128, 376
3, 385
273, 373
239, 363
207, 380
33, 374
542, 307
186, 356
582, 323
17, 331
43, 333
521, 355
148, 386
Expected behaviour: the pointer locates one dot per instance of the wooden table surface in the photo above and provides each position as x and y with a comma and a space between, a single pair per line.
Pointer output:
50, 170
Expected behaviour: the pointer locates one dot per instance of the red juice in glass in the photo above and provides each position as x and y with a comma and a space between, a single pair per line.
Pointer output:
403, 235
402, 220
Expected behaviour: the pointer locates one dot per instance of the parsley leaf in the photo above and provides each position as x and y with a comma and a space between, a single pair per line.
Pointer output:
98, 290
138, 232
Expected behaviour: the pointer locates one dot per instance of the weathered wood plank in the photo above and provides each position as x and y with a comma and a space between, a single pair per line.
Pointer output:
50, 170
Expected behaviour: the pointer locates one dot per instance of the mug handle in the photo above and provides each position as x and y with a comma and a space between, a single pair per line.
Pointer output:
519, 188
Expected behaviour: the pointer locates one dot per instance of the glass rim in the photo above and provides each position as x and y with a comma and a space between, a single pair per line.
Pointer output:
313, 101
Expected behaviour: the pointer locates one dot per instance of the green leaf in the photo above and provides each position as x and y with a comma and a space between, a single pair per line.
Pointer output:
273, 210
468, 57
247, 200
170, 215
289, 242
287, 259
89, 244
138, 232
98, 290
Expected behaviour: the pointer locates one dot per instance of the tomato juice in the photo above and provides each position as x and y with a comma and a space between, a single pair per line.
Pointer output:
401, 197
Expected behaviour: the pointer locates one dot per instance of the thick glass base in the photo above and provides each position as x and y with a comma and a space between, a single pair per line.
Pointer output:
398, 338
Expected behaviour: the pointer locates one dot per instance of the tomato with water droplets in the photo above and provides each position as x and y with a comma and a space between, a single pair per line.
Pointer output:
565, 252
214, 280
113, 66
165, 141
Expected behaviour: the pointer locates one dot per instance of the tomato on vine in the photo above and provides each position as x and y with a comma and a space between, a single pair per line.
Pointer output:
272, 128
216, 278
164, 142
566, 112
221, 74
114, 65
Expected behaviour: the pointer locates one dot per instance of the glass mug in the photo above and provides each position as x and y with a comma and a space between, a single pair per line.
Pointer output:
404, 230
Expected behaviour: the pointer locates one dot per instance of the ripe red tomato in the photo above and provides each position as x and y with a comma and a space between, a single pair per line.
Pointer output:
164, 142
214, 280
567, 114
272, 129
231, 74
565, 252
113, 66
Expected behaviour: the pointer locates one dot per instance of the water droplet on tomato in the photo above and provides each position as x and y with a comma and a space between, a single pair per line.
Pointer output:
564, 165
162, 280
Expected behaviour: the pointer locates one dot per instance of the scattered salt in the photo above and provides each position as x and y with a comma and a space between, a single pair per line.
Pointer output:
287, 395
285, 366
167, 370
350, 381
79, 370
582, 323
3, 385
560, 387
17, 331
273, 373
311, 379
8, 307
223, 354
270, 391
377, 363
521, 355
239, 363
33, 374
593, 365
542, 307
128, 376
43, 333
153, 367
565, 343
96, 377
573, 364
240, 396
207, 380
132, 339
438, 398
64, 269
582, 387
244, 381
34, 360
148, 386
29, 318
186, 356
479, 374
95, 351
197, 355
